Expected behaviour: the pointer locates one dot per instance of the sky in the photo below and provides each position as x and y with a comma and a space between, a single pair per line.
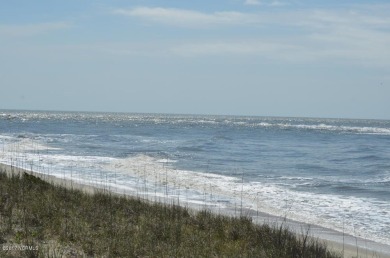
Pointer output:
295, 58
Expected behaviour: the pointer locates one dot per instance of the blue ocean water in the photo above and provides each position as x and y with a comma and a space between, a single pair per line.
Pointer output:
329, 172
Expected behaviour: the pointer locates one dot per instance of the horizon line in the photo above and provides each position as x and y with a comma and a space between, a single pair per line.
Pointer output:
188, 114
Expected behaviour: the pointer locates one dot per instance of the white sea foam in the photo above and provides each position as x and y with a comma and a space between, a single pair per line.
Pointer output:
166, 161
326, 127
366, 217
27, 145
5, 137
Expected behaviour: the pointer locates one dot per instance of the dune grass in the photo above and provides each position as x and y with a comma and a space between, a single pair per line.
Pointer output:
65, 222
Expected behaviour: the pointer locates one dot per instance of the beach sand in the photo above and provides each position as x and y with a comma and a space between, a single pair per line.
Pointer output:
343, 244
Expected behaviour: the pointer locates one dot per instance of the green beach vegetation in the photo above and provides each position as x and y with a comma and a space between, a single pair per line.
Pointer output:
61, 222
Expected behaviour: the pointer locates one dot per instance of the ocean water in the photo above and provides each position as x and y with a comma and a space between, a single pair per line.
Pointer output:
329, 172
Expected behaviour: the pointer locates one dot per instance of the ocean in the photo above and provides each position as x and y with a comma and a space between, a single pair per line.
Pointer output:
334, 173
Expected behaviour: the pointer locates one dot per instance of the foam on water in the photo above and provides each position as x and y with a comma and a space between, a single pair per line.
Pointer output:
326, 127
27, 145
363, 217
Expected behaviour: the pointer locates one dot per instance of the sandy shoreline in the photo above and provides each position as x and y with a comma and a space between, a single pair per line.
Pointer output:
349, 245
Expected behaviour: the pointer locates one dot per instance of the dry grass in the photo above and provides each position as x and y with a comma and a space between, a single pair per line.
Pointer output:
70, 223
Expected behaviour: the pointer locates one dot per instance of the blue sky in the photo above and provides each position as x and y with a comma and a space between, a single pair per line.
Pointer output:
238, 57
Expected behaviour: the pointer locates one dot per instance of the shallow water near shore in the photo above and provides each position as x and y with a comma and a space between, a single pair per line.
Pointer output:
334, 173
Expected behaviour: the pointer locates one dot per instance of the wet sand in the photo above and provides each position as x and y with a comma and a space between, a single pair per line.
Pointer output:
336, 241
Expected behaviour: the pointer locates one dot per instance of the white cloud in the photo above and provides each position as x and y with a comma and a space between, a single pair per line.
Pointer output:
180, 17
278, 3
354, 34
369, 49
26, 30
274, 3
250, 47
345, 36
252, 2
